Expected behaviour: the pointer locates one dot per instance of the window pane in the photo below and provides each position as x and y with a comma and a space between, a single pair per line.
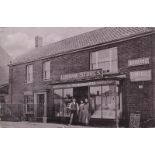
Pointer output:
29, 105
113, 53
108, 102
58, 102
105, 66
29, 73
103, 55
68, 95
93, 57
114, 66
95, 102
94, 66
46, 70
105, 59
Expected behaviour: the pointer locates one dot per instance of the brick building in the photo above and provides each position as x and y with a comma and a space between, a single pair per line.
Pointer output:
112, 67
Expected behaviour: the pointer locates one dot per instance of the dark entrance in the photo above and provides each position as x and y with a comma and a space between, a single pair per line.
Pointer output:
80, 93
40, 105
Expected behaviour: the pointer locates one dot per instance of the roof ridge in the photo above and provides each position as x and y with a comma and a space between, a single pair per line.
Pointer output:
83, 40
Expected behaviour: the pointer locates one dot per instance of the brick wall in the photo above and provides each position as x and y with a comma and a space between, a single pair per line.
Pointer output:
153, 72
76, 62
136, 99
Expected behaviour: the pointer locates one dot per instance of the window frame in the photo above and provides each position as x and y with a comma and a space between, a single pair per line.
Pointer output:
110, 60
45, 70
29, 76
29, 100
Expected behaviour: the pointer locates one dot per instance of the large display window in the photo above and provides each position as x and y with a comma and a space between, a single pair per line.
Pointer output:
58, 102
102, 98
62, 99
95, 101
68, 95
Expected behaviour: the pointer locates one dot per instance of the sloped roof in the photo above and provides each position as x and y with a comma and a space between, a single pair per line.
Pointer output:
98, 36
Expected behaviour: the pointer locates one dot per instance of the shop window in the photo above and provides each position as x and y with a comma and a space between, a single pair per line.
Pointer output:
68, 95
29, 73
107, 60
102, 101
29, 105
62, 100
95, 101
58, 102
46, 70
108, 102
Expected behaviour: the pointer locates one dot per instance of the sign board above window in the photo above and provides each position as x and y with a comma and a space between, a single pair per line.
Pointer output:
144, 75
94, 83
139, 62
94, 74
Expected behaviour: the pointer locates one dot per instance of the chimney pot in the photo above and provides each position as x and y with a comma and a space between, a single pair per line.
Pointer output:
38, 41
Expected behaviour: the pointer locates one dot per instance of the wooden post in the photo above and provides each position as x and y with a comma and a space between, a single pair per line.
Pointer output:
45, 108
116, 106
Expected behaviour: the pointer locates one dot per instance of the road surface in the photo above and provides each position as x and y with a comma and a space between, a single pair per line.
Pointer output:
5, 124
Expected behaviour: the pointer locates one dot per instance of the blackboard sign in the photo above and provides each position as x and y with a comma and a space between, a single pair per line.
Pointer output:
134, 120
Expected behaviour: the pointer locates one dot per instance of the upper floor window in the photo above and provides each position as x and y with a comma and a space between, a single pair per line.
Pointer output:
29, 73
46, 70
106, 59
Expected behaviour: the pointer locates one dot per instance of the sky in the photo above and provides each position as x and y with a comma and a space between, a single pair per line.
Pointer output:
19, 40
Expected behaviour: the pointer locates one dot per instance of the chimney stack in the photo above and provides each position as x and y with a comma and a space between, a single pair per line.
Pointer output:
38, 41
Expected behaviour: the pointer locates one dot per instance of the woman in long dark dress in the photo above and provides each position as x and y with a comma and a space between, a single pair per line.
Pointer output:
85, 118
81, 108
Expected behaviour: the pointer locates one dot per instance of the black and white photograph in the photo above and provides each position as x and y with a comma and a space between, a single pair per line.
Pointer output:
77, 77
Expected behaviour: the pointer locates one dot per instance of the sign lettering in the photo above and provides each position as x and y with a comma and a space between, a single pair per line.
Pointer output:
139, 62
94, 74
144, 75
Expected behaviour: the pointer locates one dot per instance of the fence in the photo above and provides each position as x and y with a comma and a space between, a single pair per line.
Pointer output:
11, 112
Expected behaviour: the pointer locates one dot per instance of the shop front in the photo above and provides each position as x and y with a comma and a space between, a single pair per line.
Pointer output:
104, 96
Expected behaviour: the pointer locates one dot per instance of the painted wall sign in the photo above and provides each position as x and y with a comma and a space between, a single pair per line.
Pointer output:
144, 75
139, 62
94, 74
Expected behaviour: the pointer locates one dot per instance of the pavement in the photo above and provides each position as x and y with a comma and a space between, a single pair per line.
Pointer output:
6, 124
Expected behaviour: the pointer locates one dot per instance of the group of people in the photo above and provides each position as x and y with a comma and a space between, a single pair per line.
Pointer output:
79, 112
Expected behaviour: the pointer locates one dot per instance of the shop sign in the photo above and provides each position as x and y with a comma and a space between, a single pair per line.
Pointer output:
94, 74
144, 75
109, 82
139, 62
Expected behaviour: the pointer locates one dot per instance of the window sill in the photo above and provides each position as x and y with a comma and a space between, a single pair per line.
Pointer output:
46, 80
28, 82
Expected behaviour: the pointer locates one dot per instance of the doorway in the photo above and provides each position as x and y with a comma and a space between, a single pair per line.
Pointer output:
40, 105
80, 93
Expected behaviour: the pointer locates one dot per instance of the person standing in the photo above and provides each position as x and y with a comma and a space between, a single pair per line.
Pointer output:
85, 118
81, 108
74, 111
